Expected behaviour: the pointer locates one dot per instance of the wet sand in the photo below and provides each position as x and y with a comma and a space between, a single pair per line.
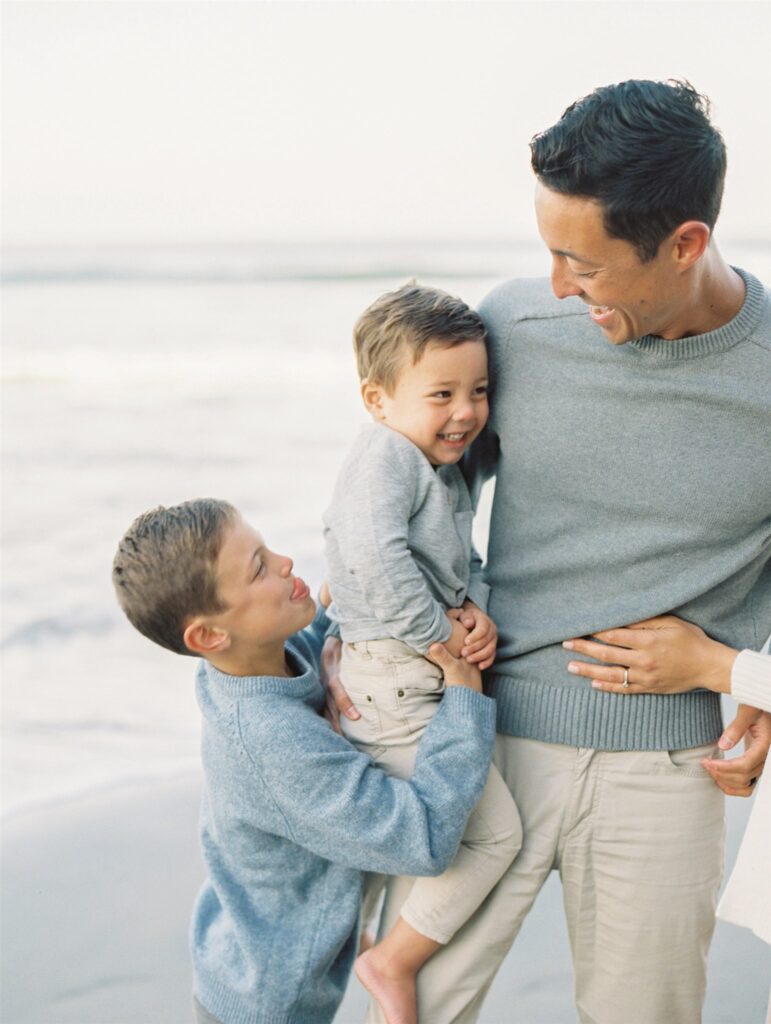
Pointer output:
97, 894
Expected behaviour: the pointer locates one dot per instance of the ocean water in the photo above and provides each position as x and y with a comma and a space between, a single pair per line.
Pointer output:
138, 377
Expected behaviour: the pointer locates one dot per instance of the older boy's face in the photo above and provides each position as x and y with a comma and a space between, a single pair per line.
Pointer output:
440, 403
266, 603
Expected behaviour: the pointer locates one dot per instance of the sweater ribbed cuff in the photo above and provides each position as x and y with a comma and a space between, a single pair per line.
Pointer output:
751, 679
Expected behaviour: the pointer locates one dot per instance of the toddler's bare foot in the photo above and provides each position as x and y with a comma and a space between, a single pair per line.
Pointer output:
394, 992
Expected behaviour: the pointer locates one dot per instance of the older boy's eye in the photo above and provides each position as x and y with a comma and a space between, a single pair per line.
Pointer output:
260, 570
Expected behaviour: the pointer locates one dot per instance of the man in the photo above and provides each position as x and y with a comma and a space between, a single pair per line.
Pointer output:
631, 480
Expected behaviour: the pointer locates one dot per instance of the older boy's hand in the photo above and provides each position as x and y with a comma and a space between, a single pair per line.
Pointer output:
480, 645
456, 671
337, 700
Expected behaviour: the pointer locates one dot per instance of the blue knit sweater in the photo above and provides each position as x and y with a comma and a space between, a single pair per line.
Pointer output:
291, 815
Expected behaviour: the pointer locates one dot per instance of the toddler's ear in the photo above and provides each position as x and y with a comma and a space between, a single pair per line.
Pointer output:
205, 640
372, 396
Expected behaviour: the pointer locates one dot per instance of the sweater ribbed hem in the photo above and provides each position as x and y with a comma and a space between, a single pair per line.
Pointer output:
579, 716
230, 1009
751, 679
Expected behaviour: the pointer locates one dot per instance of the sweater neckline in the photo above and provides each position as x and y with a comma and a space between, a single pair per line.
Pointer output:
719, 340
300, 686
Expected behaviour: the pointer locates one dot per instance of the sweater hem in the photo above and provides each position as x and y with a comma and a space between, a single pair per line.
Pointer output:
229, 1008
579, 716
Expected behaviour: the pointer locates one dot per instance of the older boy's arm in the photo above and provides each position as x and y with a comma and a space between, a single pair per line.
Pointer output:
334, 801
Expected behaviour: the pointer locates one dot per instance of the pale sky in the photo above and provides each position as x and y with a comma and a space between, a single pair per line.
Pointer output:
181, 122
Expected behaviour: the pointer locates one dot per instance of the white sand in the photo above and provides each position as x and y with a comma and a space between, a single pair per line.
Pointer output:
96, 901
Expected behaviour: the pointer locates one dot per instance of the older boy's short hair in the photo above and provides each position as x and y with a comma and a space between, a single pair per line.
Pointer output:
402, 323
164, 571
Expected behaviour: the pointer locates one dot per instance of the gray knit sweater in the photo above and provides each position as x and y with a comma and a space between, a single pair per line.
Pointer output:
632, 481
292, 814
398, 543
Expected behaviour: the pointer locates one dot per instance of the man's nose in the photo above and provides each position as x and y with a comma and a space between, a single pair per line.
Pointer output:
563, 283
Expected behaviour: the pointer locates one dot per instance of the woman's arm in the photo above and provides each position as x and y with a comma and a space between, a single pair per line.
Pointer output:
667, 655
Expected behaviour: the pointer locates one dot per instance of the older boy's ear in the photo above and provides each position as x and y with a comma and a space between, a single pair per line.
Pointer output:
205, 640
372, 396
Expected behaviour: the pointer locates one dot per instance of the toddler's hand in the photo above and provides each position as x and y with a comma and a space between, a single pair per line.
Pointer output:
457, 639
481, 642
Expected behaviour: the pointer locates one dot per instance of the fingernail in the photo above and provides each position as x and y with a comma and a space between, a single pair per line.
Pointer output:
572, 667
596, 684
725, 742
464, 652
352, 713
568, 645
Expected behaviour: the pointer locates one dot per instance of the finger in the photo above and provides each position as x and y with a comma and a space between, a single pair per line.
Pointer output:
468, 620
610, 677
735, 730
619, 655
343, 702
486, 654
731, 773
439, 654
483, 665
476, 641
454, 613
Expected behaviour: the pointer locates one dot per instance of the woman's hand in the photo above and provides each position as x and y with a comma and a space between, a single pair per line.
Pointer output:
661, 655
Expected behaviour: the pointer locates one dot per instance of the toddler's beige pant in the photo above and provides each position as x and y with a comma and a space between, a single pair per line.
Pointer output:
397, 693
637, 838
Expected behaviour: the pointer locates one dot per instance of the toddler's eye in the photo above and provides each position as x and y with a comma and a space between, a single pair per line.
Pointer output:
482, 390
441, 394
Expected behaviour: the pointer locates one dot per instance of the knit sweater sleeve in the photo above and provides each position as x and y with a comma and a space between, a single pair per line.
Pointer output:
332, 800
751, 679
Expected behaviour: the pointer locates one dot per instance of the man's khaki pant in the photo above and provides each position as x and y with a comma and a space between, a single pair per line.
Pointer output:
637, 838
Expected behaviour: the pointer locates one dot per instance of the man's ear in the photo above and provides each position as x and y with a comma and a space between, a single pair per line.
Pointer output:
372, 396
689, 242
204, 639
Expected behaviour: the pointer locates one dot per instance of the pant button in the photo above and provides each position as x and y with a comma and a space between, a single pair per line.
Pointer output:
400, 693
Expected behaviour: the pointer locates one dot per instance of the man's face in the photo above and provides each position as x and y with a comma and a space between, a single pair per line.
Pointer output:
627, 298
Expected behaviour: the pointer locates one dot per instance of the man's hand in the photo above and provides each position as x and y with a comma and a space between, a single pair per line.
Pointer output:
737, 776
480, 644
337, 700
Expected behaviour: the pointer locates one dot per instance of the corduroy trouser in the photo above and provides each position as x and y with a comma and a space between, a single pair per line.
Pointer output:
637, 838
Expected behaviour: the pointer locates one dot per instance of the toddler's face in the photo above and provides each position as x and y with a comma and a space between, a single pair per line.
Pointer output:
440, 403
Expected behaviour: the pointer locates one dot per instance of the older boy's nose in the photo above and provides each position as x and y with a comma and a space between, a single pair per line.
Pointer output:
287, 565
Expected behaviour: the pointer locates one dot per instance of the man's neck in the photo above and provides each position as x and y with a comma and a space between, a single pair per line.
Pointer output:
716, 296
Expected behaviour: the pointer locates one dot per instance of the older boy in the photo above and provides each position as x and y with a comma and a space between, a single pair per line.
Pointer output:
291, 811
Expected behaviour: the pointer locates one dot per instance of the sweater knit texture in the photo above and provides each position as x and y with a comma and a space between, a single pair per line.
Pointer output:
398, 538
291, 816
631, 481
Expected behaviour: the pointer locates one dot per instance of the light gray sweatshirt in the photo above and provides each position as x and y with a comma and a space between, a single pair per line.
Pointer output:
398, 543
631, 481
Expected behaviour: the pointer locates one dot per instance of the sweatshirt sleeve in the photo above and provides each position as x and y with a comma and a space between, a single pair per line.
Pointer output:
371, 527
751, 680
333, 800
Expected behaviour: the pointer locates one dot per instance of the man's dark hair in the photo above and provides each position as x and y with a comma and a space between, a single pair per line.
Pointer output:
646, 151
164, 571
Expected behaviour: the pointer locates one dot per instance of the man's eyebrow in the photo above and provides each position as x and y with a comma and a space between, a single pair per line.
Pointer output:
574, 256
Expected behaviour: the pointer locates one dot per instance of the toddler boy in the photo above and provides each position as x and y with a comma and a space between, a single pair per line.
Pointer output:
403, 575
291, 812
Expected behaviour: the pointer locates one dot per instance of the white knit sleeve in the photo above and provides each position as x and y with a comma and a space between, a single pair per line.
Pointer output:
751, 679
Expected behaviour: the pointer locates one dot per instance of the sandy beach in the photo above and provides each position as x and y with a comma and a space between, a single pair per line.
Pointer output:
97, 894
